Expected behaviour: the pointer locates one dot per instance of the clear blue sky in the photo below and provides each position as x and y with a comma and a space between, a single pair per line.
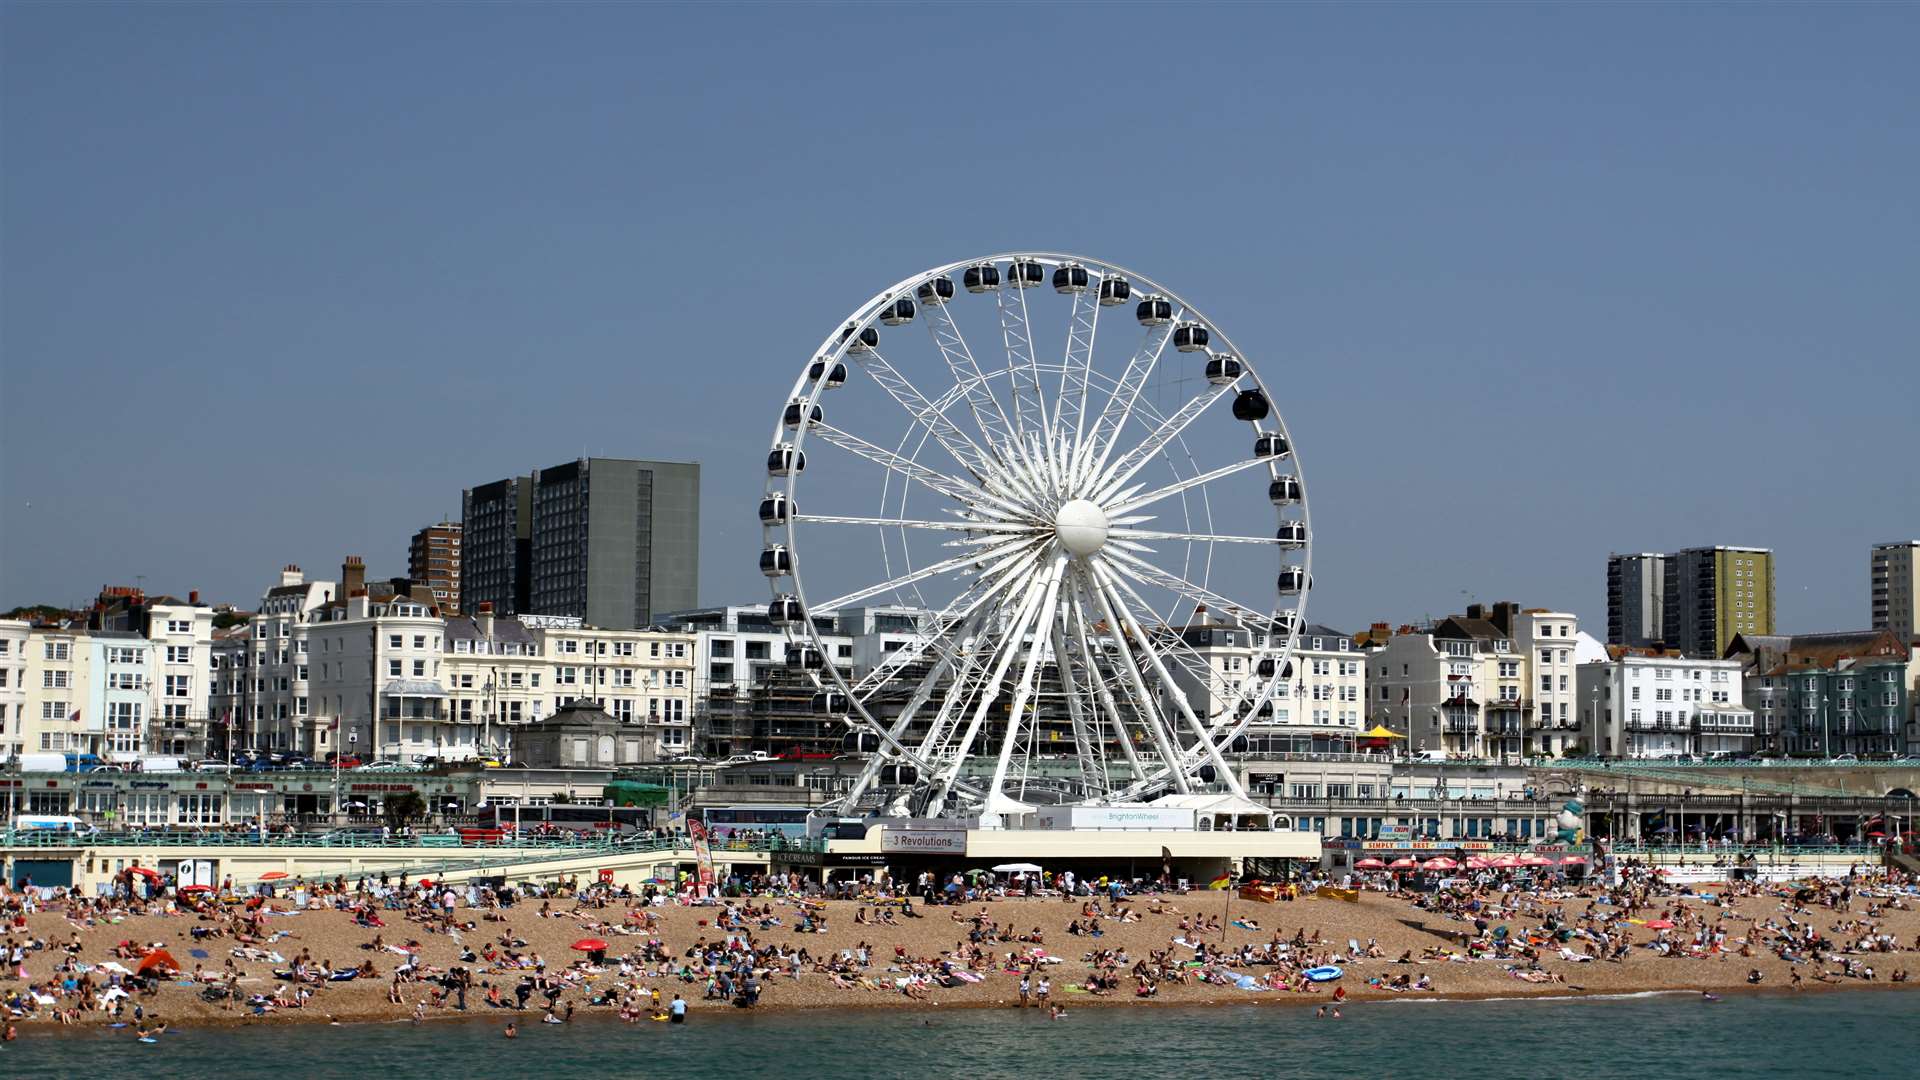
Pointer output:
1540, 282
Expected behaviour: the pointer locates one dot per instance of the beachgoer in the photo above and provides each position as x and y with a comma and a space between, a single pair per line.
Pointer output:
512, 1032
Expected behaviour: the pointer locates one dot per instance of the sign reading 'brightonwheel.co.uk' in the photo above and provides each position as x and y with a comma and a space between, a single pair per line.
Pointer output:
924, 841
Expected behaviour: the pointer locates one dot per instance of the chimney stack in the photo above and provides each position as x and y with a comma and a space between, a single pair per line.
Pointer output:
484, 619
291, 575
353, 577
193, 597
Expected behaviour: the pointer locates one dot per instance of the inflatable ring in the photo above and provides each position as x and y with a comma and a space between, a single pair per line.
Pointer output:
1323, 974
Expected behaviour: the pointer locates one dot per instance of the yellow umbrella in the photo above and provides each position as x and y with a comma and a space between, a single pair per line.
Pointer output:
1380, 732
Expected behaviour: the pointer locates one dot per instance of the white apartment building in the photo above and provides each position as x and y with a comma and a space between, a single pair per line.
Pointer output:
1664, 706
640, 677
375, 681
15, 637
1321, 707
59, 663
1456, 688
495, 676
182, 637
261, 685
1550, 642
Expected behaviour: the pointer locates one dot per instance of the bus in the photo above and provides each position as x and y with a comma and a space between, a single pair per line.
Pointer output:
724, 821
573, 817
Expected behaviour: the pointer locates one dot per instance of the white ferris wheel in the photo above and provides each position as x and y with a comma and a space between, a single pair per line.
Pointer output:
1047, 468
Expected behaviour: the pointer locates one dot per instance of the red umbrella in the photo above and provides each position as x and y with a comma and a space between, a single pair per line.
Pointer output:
1479, 862
1506, 862
1442, 863
1574, 860
150, 875
1404, 863
195, 888
273, 875
1535, 860
591, 944
158, 959
1371, 864
1659, 924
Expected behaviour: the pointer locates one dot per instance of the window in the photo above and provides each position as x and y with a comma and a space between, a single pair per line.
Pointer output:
393, 669
419, 669
54, 680
179, 686
179, 654
419, 641
53, 710
569, 647
394, 641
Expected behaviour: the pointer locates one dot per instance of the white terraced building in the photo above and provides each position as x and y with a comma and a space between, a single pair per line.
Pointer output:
1656, 707
1320, 711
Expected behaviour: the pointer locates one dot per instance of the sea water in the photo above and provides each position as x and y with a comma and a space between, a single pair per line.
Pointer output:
1862, 1035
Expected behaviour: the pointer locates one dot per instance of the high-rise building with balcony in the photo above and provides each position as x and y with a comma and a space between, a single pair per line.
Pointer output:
433, 558
1636, 595
496, 545
615, 541
1893, 587
1714, 594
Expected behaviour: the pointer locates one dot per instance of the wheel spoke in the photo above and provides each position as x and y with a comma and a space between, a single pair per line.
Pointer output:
1128, 503
1023, 691
911, 523
1005, 652
955, 441
1148, 574
1122, 471
953, 488
1199, 538
988, 416
1075, 374
1120, 401
958, 562
1145, 707
1023, 373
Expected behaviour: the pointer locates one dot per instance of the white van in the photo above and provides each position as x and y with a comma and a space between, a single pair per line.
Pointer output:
43, 763
1430, 756
64, 823
163, 764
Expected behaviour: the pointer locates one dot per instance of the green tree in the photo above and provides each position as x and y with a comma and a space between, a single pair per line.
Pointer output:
404, 808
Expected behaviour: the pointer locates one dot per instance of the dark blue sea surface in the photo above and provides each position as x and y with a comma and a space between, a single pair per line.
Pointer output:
1862, 1035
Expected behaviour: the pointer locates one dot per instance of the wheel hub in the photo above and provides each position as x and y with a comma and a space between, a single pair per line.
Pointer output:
1081, 527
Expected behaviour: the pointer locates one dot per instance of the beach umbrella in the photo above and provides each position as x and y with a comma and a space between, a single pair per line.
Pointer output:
591, 944
1535, 860
150, 875
1441, 863
1659, 924
1506, 862
1016, 868
273, 875
184, 889
1479, 862
1370, 864
1405, 862
158, 959
1574, 860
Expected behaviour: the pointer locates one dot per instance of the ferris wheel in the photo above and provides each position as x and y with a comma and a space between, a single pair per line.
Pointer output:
1075, 482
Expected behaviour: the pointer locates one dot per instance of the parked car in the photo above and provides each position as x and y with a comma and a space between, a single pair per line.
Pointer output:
349, 761
217, 765
384, 765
